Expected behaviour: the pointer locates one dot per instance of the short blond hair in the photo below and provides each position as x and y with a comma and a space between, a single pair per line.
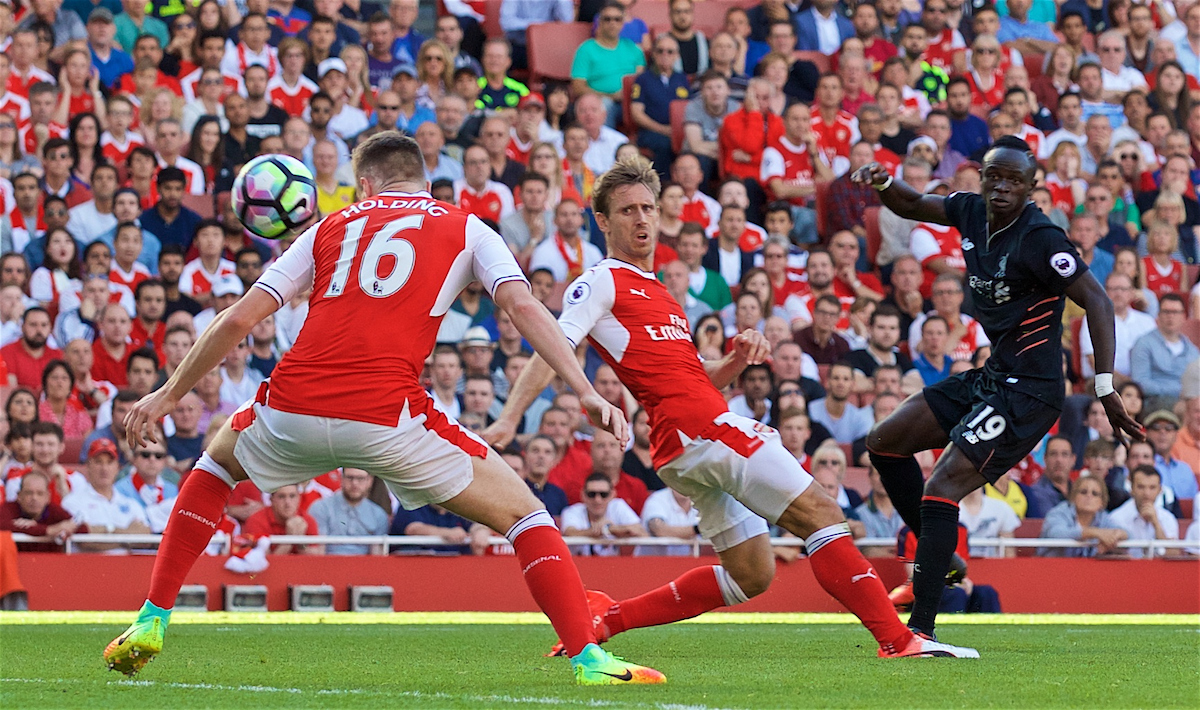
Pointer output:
633, 170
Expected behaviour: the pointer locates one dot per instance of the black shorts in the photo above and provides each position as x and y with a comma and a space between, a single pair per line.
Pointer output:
992, 423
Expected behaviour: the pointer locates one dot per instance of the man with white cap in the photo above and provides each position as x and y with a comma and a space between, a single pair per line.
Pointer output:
99, 505
226, 292
344, 120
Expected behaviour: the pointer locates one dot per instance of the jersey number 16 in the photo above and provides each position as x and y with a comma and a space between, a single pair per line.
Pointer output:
383, 243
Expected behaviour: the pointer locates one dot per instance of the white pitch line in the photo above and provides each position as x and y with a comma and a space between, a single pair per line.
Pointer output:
414, 694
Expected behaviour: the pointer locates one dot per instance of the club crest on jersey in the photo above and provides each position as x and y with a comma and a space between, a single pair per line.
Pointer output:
676, 330
579, 293
1063, 263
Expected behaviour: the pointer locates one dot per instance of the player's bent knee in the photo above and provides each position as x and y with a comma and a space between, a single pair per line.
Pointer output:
810, 511
751, 565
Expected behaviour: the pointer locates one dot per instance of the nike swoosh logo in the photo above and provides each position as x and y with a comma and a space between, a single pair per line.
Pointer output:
626, 676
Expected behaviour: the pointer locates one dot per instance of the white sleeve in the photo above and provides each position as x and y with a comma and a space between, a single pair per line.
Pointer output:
808, 367
585, 302
229, 62
459, 8
291, 273
855, 134
923, 245
507, 205
494, 262
575, 516
1085, 339
39, 285
621, 514
654, 509
772, 165
1008, 519
185, 279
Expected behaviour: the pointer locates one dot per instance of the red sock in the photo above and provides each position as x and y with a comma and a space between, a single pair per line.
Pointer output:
692, 594
194, 519
554, 582
847, 576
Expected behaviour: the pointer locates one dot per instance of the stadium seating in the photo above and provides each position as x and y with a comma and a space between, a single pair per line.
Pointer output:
550, 46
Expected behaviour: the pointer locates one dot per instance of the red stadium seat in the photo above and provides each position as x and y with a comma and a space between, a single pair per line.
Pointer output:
626, 100
678, 106
1029, 528
653, 13
72, 447
1186, 508
874, 236
200, 204
1076, 351
857, 478
817, 58
1191, 328
1193, 273
822, 191
552, 48
491, 18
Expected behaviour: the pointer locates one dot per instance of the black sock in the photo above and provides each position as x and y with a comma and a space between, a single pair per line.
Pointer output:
905, 486
939, 537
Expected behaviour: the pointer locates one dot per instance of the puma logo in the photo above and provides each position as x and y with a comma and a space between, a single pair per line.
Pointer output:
639, 292
869, 573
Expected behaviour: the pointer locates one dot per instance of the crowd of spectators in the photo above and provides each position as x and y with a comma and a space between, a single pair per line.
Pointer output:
123, 124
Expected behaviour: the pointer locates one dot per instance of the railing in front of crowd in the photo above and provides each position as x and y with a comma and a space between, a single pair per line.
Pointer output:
420, 544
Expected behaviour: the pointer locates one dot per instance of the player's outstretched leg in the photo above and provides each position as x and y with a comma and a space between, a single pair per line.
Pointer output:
953, 478
497, 498
892, 444
194, 519
845, 574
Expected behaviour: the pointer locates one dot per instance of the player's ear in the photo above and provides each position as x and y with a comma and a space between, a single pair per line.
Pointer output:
364, 189
602, 221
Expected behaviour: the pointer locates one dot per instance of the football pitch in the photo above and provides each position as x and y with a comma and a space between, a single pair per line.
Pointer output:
475, 660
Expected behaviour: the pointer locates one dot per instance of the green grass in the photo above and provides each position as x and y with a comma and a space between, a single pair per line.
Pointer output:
294, 661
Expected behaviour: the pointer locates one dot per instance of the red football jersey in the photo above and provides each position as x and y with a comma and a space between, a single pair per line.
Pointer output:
931, 241
292, 99
15, 105
383, 272
703, 210
1160, 282
641, 332
118, 152
836, 138
788, 161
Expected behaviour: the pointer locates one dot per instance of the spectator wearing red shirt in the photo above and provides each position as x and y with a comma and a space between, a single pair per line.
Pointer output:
745, 133
853, 72
836, 129
28, 357
32, 513
477, 193
147, 327
574, 463
283, 517
111, 350
866, 28
845, 250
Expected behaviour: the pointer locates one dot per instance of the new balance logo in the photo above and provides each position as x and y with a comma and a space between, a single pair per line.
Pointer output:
639, 292
869, 573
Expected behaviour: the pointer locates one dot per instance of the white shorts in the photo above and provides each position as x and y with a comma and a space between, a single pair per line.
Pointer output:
736, 475
425, 458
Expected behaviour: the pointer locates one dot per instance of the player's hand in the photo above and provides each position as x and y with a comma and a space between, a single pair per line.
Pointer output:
870, 174
1121, 422
751, 347
140, 423
500, 433
606, 416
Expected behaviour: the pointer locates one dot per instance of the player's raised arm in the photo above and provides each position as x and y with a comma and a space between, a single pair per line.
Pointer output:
900, 197
543, 332
1087, 292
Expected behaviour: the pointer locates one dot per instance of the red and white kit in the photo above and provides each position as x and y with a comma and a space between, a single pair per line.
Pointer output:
383, 273
732, 467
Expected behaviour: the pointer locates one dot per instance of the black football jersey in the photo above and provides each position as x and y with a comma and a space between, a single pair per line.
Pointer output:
1018, 280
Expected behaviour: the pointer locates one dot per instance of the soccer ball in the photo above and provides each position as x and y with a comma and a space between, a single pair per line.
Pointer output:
273, 195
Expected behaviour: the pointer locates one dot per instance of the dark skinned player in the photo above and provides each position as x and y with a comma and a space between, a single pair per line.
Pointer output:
1020, 269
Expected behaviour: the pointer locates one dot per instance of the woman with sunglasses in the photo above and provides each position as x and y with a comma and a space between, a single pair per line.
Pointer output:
435, 72
182, 49
1082, 517
59, 405
985, 76
13, 160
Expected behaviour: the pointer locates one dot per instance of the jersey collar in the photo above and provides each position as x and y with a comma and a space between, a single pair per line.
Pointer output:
618, 264
397, 193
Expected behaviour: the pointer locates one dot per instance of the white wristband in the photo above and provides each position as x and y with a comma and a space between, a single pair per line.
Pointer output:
1104, 385
886, 184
